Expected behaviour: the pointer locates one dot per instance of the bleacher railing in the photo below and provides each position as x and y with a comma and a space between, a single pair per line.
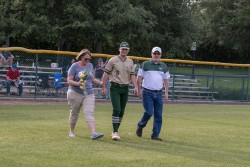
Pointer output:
190, 80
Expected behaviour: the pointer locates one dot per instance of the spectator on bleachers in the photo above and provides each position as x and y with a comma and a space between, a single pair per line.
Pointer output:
99, 69
99, 73
72, 61
13, 78
6, 58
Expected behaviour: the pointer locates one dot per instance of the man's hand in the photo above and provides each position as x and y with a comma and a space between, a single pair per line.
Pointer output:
140, 93
166, 96
136, 91
104, 91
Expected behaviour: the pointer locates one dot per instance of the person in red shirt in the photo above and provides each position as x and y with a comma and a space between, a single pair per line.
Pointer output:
13, 78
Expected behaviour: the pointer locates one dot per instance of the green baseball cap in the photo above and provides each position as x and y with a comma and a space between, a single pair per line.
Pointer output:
124, 45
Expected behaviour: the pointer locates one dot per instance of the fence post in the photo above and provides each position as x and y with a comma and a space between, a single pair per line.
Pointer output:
173, 81
247, 96
213, 83
242, 90
207, 80
36, 80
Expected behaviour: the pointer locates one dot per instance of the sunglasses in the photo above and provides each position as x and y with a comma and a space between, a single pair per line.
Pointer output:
157, 53
87, 59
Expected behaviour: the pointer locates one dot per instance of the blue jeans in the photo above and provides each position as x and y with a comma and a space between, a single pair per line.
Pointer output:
9, 83
152, 104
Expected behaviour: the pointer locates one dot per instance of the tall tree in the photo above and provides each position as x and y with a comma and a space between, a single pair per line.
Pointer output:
10, 23
229, 22
122, 21
173, 30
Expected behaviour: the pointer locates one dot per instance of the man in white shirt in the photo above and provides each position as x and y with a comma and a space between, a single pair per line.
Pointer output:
154, 74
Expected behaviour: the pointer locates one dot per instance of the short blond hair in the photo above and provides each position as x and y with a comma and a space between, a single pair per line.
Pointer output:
82, 53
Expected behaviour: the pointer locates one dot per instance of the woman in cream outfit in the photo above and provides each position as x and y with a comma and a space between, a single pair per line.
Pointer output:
85, 97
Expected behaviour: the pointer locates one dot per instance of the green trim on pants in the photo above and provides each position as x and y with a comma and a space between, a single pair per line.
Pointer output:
119, 98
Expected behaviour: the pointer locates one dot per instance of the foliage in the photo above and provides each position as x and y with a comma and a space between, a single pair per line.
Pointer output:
228, 33
220, 27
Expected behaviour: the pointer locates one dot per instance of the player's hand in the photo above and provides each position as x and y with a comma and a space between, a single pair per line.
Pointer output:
136, 91
104, 91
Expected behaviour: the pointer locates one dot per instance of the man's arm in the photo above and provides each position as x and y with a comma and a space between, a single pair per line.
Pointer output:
166, 83
139, 78
8, 78
138, 81
8, 74
18, 77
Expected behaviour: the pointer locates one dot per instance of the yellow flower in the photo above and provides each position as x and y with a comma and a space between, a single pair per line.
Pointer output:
83, 78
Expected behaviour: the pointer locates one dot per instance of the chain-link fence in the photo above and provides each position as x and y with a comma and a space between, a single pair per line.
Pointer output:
220, 83
44, 75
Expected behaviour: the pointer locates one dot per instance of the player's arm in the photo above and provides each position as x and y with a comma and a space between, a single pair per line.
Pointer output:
107, 71
133, 80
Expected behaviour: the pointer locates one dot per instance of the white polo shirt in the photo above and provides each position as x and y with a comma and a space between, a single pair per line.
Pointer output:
153, 75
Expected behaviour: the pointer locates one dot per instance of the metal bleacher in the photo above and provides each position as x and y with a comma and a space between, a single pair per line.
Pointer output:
180, 86
184, 87
31, 76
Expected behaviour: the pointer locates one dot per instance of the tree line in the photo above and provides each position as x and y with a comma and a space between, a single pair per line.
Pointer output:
220, 28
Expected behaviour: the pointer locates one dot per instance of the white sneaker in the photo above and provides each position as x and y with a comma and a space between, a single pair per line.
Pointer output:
71, 134
115, 136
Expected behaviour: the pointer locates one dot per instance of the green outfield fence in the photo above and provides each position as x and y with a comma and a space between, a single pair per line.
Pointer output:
190, 80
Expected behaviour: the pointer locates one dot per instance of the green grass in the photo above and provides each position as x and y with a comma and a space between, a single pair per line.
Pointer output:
194, 135
208, 70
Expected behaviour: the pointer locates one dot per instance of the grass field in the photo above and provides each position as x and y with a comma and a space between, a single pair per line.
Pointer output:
194, 135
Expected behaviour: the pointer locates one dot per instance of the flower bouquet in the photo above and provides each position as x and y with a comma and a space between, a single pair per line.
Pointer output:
83, 78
